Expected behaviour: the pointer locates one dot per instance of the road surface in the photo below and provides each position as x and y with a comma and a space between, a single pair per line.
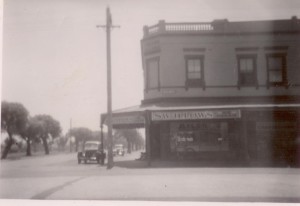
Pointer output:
59, 177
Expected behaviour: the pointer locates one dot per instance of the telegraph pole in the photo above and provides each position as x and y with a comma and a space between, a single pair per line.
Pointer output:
108, 27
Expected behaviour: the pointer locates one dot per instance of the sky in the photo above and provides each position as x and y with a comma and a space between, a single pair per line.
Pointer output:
54, 57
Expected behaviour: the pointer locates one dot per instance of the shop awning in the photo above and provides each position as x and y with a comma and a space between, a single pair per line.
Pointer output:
134, 117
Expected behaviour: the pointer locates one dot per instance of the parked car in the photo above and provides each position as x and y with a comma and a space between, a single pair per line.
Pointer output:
91, 151
119, 150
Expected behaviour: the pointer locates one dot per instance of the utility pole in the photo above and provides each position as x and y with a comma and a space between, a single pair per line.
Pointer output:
108, 27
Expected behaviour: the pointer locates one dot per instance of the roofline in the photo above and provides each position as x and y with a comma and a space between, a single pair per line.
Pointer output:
223, 26
153, 108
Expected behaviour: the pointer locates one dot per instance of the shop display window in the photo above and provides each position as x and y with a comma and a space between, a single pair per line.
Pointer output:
199, 137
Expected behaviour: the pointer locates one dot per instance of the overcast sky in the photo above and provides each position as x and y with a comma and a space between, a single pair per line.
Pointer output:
54, 57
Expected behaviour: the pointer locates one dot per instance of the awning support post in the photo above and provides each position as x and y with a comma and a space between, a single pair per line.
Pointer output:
102, 144
245, 152
148, 141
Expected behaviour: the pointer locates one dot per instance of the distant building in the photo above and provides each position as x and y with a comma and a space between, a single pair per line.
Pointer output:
220, 91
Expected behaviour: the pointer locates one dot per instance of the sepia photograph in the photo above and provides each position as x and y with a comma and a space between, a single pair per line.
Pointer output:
150, 102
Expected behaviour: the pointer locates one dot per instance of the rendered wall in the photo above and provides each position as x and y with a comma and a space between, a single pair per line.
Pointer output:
220, 63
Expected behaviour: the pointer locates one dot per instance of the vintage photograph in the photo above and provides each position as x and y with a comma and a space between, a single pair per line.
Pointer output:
144, 101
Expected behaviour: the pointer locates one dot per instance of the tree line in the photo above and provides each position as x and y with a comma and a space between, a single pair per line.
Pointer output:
15, 120
130, 138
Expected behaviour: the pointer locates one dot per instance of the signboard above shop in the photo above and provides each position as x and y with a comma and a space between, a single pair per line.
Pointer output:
195, 115
131, 119
137, 120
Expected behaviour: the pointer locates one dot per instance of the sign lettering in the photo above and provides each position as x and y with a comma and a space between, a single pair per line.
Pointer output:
195, 115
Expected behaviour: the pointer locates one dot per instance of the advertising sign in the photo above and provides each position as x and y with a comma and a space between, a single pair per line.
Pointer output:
195, 115
128, 120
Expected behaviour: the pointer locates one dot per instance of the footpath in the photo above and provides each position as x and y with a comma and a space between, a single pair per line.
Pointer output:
188, 184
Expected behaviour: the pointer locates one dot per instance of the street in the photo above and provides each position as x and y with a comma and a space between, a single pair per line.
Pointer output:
59, 177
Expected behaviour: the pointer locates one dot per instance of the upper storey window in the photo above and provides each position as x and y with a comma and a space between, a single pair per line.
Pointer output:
276, 69
152, 73
247, 70
194, 71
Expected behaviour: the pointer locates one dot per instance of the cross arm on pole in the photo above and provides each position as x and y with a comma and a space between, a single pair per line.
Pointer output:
105, 26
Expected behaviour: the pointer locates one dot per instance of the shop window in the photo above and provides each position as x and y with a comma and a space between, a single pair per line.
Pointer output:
152, 74
194, 71
247, 70
276, 70
199, 137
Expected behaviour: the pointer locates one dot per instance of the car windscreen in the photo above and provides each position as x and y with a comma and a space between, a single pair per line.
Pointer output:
91, 146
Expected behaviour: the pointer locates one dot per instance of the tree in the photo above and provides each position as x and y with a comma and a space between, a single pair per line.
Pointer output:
81, 134
14, 117
44, 127
97, 136
32, 133
61, 142
134, 139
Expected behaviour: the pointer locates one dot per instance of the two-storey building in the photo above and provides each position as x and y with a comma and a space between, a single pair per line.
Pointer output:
221, 90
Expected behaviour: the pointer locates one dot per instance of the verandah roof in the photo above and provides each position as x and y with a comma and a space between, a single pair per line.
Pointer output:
134, 117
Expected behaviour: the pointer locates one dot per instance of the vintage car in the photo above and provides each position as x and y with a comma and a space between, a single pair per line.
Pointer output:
91, 151
118, 150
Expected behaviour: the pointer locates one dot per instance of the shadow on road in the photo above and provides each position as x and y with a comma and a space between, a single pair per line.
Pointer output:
139, 164
131, 164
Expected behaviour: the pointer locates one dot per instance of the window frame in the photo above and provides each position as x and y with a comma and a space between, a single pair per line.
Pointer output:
194, 83
284, 81
253, 57
148, 61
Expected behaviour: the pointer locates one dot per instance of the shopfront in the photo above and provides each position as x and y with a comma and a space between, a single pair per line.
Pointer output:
194, 134
258, 135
